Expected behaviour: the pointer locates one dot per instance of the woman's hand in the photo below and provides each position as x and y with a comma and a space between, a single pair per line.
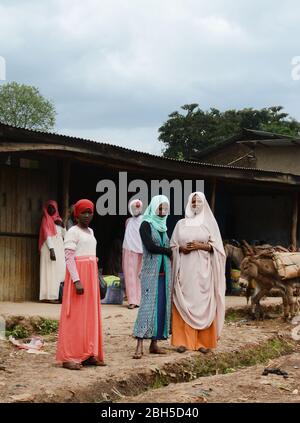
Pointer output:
191, 246
79, 288
169, 253
52, 254
184, 250
196, 245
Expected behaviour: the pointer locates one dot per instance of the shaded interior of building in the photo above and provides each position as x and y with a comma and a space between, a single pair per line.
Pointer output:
243, 210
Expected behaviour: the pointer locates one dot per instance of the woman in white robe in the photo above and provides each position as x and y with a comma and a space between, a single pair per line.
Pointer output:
198, 278
52, 254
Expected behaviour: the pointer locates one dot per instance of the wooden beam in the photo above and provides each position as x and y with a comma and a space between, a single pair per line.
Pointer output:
18, 235
213, 195
294, 221
66, 187
18, 147
263, 145
112, 156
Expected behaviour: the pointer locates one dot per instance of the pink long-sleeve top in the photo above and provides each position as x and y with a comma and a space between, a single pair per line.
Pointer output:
78, 242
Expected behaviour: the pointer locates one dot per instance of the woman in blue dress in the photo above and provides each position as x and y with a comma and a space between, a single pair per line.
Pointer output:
153, 319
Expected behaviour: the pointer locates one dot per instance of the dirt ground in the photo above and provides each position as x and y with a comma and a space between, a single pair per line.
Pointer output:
36, 378
52, 311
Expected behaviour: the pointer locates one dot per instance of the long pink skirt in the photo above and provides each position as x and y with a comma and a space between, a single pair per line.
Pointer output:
132, 265
80, 328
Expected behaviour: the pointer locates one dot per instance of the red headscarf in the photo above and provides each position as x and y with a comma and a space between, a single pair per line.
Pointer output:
82, 205
48, 226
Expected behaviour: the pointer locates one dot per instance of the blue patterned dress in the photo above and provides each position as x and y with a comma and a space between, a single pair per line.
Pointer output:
154, 315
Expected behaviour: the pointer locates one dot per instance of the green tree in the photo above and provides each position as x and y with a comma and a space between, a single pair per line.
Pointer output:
185, 134
23, 106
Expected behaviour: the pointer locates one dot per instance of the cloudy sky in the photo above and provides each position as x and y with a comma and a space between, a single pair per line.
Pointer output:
115, 69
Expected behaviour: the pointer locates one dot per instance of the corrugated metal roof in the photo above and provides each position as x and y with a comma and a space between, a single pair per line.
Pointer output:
267, 134
244, 135
71, 140
282, 142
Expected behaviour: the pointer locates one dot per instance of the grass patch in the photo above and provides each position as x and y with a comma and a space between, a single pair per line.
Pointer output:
47, 326
159, 382
269, 311
17, 332
22, 327
223, 363
234, 315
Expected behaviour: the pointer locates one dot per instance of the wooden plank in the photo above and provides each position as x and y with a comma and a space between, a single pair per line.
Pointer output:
2, 262
213, 195
20, 221
66, 188
19, 266
2, 198
36, 273
19, 269
294, 221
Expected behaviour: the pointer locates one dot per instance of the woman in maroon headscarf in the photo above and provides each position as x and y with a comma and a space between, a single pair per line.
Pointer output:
80, 339
52, 255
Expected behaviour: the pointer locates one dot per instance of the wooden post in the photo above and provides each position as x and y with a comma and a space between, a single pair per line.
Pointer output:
213, 195
294, 222
65, 189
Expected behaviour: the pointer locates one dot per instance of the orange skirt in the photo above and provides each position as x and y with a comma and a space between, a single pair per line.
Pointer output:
193, 339
80, 326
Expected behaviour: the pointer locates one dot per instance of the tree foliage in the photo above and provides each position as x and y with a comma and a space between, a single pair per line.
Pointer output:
23, 106
186, 133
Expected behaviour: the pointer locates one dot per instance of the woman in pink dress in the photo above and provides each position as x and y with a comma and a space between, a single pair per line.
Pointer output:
80, 340
133, 254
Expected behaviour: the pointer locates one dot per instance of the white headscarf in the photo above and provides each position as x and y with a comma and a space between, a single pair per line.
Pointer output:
203, 216
132, 239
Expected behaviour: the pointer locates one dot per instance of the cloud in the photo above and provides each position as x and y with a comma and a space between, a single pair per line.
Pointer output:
138, 138
118, 67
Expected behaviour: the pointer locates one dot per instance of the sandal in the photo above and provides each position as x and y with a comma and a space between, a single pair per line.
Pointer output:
204, 350
137, 356
92, 361
131, 306
71, 365
181, 349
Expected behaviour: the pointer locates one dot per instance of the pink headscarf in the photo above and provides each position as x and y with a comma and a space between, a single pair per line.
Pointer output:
48, 226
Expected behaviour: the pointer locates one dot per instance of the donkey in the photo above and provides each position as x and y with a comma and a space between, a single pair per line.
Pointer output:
261, 268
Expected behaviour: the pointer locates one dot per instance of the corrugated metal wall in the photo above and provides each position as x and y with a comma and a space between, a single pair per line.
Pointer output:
22, 193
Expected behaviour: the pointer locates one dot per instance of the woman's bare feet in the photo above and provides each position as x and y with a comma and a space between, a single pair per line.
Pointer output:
153, 349
71, 365
139, 350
